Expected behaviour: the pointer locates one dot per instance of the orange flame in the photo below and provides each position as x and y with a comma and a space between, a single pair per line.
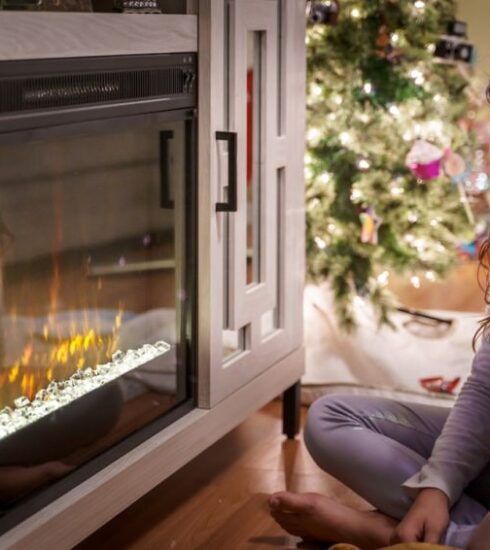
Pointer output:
36, 367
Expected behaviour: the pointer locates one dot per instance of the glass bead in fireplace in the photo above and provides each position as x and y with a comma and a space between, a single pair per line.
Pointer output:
96, 292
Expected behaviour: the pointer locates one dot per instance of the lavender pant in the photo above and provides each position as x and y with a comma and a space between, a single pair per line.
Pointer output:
373, 445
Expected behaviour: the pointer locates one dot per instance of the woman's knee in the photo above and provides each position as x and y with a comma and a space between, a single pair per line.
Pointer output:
326, 415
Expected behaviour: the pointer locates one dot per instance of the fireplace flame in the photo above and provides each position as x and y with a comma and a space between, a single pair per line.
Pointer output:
49, 356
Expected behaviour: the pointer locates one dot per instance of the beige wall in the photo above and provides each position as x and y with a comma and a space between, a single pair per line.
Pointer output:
477, 14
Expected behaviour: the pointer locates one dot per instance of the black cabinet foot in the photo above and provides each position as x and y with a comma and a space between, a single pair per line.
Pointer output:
291, 410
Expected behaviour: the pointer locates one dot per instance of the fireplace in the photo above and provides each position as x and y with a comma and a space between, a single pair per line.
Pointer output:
98, 265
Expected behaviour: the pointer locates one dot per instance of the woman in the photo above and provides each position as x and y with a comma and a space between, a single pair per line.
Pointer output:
425, 469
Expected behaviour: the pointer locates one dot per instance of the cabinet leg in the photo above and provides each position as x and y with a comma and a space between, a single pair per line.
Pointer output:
291, 410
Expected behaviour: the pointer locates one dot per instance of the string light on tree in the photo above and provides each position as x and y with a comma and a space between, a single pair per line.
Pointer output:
394, 110
321, 244
430, 276
325, 177
383, 278
368, 88
415, 280
355, 195
313, 135
396, 191
316, 90
345, 138
417, 76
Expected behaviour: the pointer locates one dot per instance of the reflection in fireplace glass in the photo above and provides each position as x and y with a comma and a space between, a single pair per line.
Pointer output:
93, 295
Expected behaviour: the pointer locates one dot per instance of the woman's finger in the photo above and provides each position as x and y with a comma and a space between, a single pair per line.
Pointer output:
433, 534
405, 535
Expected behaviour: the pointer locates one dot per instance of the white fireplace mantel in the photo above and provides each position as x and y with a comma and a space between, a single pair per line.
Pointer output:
32, 35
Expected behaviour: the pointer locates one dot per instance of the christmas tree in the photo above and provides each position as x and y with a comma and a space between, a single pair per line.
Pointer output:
384, 148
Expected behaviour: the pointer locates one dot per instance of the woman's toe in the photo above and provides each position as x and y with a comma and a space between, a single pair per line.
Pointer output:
290, 502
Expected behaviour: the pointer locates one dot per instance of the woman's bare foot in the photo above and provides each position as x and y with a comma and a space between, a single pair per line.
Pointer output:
313, 516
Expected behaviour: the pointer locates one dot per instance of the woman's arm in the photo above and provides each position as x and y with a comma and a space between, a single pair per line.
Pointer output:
463, 449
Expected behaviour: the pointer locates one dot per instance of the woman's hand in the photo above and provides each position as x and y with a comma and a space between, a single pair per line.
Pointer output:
426, 520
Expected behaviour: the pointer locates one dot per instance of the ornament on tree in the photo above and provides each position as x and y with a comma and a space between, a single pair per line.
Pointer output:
384, 47
424, 160
370, 224
454, 164
454, 46
323, 13
476, 181
471, 250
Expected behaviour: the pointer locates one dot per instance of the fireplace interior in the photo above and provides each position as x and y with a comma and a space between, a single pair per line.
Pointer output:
98, 272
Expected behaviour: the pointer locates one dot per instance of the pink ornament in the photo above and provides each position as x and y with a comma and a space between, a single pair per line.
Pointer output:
454, 164
426, 171
424, 160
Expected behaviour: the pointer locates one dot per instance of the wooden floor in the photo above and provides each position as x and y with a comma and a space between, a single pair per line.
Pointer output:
218, 501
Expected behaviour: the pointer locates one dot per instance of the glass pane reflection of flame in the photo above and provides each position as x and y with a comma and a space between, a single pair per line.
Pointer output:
58, 394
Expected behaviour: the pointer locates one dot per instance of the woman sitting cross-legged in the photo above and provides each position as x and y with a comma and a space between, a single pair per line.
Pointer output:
425, 469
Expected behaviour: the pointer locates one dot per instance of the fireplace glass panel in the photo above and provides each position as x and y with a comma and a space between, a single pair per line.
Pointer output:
95, 292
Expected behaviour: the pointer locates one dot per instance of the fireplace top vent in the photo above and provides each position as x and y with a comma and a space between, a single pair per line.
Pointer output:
48, 87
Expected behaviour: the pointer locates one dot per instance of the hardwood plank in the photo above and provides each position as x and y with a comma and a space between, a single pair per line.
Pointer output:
218, 501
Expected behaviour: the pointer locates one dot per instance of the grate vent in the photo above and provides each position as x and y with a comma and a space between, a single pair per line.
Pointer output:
68, 90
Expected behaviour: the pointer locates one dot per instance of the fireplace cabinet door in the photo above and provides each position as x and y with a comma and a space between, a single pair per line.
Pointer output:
258, 223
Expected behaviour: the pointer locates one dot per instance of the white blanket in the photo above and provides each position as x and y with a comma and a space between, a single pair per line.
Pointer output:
390, 361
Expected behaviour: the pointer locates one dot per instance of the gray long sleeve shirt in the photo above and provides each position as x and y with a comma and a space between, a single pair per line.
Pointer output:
463, 448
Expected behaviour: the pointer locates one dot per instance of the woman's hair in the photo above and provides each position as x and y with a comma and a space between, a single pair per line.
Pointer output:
484, 262
484, 257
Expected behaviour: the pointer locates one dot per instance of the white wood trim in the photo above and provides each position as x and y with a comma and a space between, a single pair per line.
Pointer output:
211, 224
294, 63
246, 302
40, 35
73, 517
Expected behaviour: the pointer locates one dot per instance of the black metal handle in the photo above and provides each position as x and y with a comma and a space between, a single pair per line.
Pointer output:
232, 204
165, 199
